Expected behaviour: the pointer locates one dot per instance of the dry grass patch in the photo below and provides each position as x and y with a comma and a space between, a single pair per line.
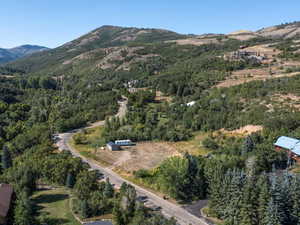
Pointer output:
193, 146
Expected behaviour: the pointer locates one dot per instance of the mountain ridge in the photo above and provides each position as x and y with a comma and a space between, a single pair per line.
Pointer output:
106, 46
11, 54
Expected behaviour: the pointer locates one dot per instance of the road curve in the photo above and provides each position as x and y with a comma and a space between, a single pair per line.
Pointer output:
169, 209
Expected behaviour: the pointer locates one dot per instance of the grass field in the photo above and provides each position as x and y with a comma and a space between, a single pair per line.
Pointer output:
55, 204
194, 145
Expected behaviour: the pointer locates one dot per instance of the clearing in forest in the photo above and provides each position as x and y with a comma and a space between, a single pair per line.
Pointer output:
55, 205
144, 155
243, 131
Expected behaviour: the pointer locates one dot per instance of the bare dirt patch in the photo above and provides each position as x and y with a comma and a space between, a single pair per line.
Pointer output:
289, 100
195, 41
145, 155
161, 97
246, 130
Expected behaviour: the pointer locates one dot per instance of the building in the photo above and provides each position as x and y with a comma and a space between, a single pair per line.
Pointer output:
112, 146
290, 145
124, 142
191, 103
6, 193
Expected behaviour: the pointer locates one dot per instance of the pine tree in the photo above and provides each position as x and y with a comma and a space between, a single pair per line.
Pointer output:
84, 209
278, 198
248, 145
248, 213
234, 197
6, 158
263, 197
70, 182
108, 190
295, 197
271, 216
23, 210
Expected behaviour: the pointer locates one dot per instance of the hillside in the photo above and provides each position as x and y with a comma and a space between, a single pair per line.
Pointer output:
93, 47
285, 31
7, 55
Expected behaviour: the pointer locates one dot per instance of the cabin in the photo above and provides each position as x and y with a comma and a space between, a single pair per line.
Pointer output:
6, 193
124, 142
290, 145
112, 146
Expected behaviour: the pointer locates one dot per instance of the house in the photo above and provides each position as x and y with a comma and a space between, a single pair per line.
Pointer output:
112, 146
124, 142
290, 145
6, 192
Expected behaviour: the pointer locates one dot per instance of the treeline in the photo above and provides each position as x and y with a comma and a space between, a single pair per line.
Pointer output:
238, 198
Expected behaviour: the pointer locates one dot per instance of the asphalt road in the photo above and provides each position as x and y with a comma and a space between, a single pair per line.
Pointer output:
169, 209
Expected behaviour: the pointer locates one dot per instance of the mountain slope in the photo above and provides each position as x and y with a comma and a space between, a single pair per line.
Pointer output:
94, 46
7, 55
288, 30
119, 48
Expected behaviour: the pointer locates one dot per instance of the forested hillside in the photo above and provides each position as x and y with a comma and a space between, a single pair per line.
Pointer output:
175, 92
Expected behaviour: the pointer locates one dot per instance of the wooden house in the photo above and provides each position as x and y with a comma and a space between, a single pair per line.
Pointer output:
290, 145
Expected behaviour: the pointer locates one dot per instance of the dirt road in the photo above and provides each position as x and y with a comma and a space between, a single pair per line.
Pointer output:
169, 209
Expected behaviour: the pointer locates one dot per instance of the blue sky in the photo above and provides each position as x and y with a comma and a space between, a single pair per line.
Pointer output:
54, 22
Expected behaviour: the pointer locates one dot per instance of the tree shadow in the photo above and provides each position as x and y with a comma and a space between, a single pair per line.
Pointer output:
55, 221
50, 198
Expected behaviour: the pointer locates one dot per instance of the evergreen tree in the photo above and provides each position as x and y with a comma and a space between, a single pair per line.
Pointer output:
295, 197
248, 213
70, 182
23, 210
108, 190
272, 216
6, 158
263, 197
248, 145
84, 209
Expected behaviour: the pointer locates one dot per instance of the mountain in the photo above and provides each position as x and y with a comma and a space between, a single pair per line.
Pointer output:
7, 55
100, 46
120, 48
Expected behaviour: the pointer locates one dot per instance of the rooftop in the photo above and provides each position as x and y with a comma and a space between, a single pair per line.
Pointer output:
289, 143
6, 192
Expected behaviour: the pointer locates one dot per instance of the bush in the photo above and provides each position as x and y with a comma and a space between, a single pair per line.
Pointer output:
80, 139
210, 143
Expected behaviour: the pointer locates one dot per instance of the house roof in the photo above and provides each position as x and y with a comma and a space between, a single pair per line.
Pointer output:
6, 192
291, 144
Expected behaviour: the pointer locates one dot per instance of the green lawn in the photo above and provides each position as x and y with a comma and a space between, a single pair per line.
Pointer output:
56, 205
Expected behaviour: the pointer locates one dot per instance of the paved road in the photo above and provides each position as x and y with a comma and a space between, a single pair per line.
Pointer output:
169, 209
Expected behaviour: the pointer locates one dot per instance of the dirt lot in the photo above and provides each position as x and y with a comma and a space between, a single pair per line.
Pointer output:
144, 155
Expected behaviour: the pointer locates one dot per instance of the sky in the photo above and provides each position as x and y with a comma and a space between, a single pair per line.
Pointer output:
51, 23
